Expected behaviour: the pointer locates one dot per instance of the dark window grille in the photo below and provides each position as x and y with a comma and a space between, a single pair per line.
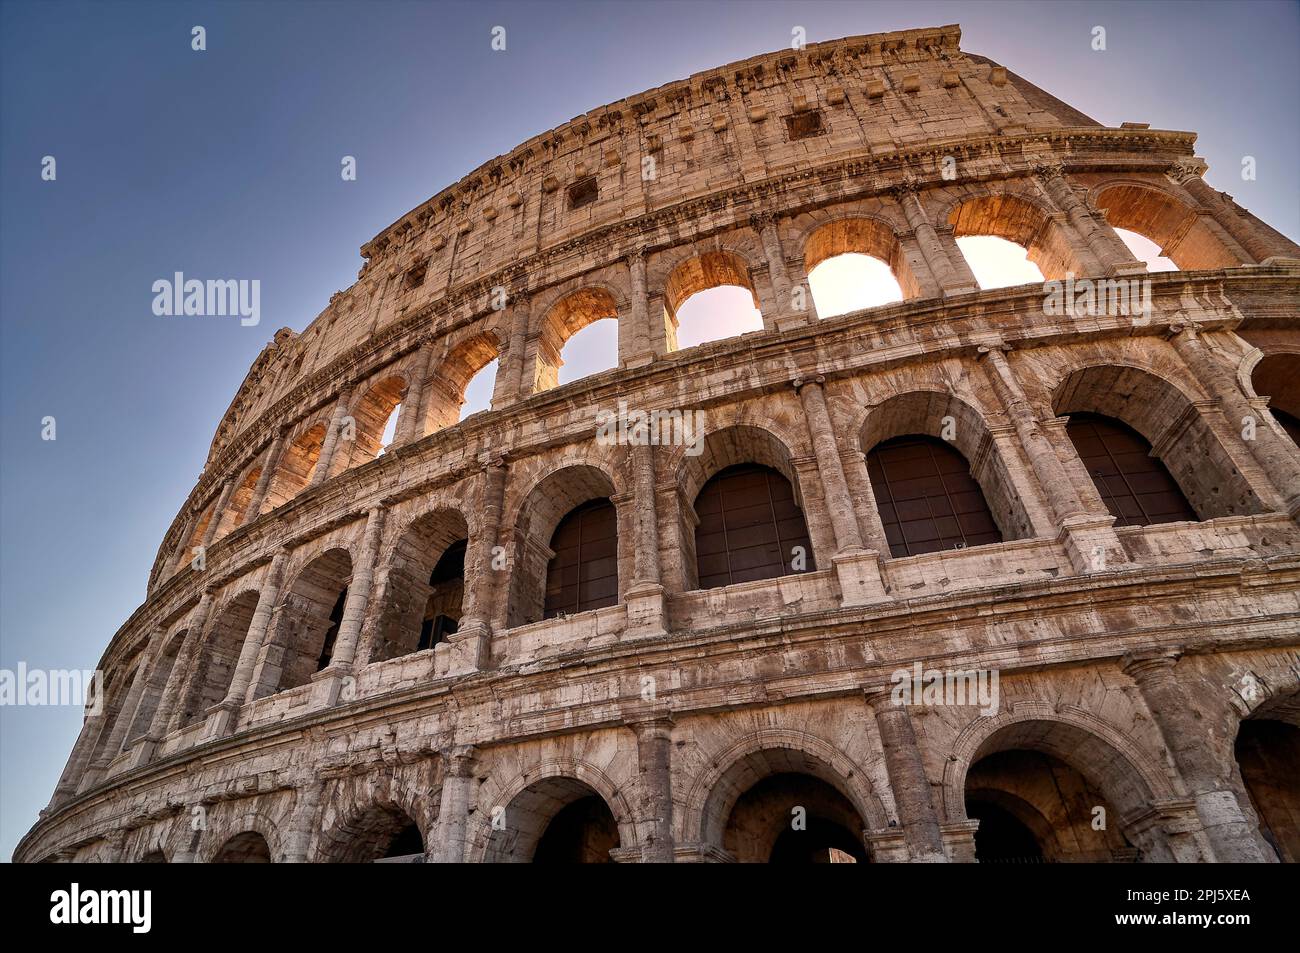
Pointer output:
583, 573
1135, 486
928, 500
749, 526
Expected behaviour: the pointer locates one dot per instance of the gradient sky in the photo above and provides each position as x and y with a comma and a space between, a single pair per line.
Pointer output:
226, 164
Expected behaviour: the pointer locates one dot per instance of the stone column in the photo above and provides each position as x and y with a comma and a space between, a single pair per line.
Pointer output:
1232, 837
223, 720
269, 466
453, 809
304, 822
1279, 461
218, 513
634, 343
645, 596
325, 461
856, 568
329, 681
511, 383
951, 281
126, 713
410, 423
1063, 197
907, 778
167, 716
468, 649
787, 314
654, 767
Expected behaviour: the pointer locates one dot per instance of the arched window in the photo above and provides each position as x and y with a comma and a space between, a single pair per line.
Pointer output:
478, 392
1277, 377
442, 608
927, 499
583, 573
856, 263
1135, 486
1008, 240
1145, 251
578, 337
750, 527
708, 298
1174, 228
997, 262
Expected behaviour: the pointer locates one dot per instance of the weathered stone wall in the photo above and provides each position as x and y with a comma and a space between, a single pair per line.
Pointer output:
1127, 657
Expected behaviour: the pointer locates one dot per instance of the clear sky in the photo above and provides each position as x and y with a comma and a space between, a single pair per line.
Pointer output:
226, 163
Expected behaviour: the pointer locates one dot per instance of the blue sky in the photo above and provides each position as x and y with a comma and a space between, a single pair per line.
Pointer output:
225, 163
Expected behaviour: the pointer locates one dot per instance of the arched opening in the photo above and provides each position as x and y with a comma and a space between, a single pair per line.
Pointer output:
153, 857
249, 847
557, 820
155, 686
998, 263
1268, 754
1008, 240
1175, 229
225, 640
117, 684
1164, 417
1051, 792
195, 539
463, 383
424, 588
297, 464
1002, 838
708, 298
569, 568
781, 805
310, 615
1277, 377
237, 509
1145, 251
750, 527
578, 337
794, 819
583, 573
371, 416
380, 834
1132, 482
857, 263
927, 499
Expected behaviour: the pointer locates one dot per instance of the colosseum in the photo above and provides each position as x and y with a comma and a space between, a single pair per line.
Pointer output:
967, 577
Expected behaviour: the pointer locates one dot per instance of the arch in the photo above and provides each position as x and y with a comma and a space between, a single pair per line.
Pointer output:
184, 556
1167, 418
250, 820
153, 857
220, 654
1156, 215
247, 847
155, 685
370, 414
444, 390
736, 769
1020, 220
533, 798
861, 235
1132, 482
962, 428
571, 314
297, 464
376, 832
237, 507
307, 620
729, 446
420, 584
1267, 755
702, 272
583, 572
1277, 377
749, 528
1128, 777
537, 516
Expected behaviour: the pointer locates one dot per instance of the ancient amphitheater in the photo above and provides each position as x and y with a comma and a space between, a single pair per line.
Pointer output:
506, 638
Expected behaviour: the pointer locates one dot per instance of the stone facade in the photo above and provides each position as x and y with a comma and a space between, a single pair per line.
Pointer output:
1149, 675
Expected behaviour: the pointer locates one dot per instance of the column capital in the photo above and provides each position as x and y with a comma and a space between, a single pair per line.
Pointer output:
1143, 663
762, 219
636, 255
799, 383
458, 760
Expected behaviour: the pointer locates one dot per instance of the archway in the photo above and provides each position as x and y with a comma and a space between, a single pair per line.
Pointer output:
555, 820
1175, 228
378, 834
309, 618
1267, 750
982, 224
727, 304
371, 416
424, 586
856, 263
220, 655
297, 464
1277, 377
249, 847
587, 315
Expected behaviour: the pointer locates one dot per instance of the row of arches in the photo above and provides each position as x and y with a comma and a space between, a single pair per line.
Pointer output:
743, 520
856, 260
1039, 789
